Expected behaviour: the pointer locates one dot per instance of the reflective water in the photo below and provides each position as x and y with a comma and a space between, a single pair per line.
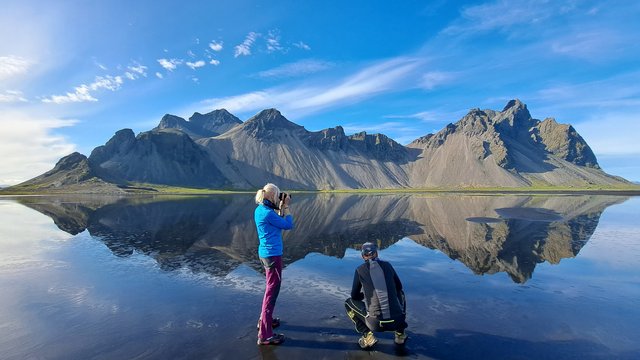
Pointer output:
178, 277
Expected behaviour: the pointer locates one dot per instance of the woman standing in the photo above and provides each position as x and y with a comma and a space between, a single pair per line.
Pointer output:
271, 217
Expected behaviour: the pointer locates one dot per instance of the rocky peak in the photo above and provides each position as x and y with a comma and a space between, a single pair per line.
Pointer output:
378, 146
121, 141
328, 139
563, 140
171, 121
269, 124
70, 162
514, 118
420, 142
217, 121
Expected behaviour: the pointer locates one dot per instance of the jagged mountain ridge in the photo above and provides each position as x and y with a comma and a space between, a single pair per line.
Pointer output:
485, 148
201, 125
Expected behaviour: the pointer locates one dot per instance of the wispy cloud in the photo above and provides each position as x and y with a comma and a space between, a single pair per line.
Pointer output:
82, 93
391, 75
12, 96
169, 64
214, 62
301, 45
303, 67
135, 71
216, 45
593, 44
376, 79
138, 69
501, 15
273, 41
425, 116
13, 65
620, 91
29, 145
244, 49
159, 75
196, 64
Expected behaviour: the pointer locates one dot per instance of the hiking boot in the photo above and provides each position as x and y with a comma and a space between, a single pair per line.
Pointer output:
367, 340
400, 338
276, 339
274, 323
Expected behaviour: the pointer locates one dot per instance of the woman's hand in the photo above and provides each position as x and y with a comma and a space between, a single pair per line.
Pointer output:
284, 205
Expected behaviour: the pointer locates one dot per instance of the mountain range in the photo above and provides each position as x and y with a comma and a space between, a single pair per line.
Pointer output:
485, 148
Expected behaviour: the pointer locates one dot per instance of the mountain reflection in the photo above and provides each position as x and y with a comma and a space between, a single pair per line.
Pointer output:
215, 234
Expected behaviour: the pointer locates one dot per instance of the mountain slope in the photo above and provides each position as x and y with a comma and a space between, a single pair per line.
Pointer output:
159, 157
268, 147
507, 148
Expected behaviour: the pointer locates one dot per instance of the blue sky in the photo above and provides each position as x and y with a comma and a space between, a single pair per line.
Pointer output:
72, 73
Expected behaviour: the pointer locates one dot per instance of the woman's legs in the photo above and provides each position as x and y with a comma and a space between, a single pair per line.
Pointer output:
273, 269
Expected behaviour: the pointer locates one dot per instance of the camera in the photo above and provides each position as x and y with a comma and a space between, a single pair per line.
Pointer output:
283, 195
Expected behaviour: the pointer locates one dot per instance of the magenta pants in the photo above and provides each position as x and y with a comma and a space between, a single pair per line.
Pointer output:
273, 268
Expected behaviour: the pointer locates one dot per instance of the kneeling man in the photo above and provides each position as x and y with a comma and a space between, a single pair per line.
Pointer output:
384, 306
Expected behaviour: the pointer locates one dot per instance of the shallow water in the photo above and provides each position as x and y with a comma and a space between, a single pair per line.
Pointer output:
178, 277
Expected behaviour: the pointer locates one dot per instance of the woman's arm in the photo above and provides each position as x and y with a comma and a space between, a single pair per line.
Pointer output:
284, 223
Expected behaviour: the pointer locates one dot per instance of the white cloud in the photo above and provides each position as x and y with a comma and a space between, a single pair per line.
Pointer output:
159, 75
82, 93
273, 42
29, 145
101, 66
392, 75
593, 44
191, 54
12, 96
214, 62
244, 49
302, 45
303, 67
139, 69
215, 45
169, 64
13, 65
373, 80
501, 15
195, 65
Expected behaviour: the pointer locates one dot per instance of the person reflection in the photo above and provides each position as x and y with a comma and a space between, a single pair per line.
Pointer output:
271, 217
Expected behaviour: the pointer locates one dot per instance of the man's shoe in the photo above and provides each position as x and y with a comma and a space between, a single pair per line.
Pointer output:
367, 340
276, 339
274, 323
400, 338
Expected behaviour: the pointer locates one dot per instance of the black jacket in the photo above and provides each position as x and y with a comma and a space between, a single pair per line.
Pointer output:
382, 289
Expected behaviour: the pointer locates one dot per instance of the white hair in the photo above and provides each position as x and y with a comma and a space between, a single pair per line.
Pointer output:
270, 190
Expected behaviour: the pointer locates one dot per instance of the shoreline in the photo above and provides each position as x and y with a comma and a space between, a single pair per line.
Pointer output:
635, 191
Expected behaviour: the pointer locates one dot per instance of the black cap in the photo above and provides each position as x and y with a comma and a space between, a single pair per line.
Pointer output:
368, 249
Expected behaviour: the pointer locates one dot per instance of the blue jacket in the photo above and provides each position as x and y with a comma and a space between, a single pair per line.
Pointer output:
270, 225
